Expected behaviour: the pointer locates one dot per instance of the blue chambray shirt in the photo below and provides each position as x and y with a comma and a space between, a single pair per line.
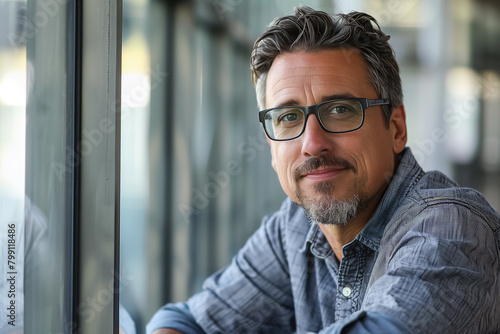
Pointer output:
428, 261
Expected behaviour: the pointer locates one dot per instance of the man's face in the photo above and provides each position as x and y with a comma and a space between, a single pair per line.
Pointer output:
319, 168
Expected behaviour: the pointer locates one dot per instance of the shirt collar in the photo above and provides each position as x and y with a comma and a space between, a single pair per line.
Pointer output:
407, 175
319, 245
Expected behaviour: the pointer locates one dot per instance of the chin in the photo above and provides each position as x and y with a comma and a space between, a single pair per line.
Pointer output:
331, 211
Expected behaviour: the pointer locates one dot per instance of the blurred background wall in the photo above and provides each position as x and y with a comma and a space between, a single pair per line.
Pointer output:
196, 178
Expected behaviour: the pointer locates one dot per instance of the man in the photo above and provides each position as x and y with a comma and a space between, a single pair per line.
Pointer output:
366, 242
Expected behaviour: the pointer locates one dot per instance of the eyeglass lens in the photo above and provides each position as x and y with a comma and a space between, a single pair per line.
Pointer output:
335, 116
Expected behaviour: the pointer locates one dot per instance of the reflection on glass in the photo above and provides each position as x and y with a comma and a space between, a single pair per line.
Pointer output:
12, 151
47, 266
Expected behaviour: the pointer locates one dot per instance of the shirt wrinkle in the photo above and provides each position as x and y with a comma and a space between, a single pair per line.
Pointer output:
275, 252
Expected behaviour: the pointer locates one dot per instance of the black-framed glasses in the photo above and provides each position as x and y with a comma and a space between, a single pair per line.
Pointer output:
335, 116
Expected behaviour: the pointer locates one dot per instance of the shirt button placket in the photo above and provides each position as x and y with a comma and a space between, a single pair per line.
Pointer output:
347, 294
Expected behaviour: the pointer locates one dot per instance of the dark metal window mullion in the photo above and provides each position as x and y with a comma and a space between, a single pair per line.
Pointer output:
73, 158
116, 277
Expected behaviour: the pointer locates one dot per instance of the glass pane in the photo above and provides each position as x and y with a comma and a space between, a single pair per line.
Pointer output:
12, 151
48, 236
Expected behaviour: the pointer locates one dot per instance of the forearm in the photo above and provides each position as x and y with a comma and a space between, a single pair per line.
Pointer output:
173, 316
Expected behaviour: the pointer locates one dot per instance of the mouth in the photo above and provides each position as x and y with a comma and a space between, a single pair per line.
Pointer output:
322, 168
322, 174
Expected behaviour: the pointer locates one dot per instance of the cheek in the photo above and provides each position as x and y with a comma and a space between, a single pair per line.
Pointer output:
273, 153
282, 161
379, 162
372, 153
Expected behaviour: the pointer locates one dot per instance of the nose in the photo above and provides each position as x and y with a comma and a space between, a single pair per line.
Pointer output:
315, 140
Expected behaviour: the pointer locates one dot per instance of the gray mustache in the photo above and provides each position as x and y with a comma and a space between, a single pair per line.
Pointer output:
326, 161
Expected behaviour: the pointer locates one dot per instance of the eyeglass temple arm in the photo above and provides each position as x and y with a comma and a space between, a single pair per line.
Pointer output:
377, 102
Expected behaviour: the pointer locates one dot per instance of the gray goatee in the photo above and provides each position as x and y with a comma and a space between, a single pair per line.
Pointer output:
327, 209
330, 211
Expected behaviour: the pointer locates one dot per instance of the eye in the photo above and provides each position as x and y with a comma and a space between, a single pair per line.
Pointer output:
290, 117
340, 110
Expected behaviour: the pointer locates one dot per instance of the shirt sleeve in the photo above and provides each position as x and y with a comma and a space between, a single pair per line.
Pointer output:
253, 292
175, 316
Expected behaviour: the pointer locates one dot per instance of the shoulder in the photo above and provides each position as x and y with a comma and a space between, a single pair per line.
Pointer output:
438, 207
437, 196
435, 193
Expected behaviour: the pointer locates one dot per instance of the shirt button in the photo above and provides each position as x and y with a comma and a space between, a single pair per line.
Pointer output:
346, 291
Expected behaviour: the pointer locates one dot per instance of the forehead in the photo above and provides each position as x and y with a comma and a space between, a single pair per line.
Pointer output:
305, 77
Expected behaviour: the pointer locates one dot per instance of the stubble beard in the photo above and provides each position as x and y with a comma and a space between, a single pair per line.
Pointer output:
326, 208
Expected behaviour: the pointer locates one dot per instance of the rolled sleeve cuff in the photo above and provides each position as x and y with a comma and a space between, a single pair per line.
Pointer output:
363, 322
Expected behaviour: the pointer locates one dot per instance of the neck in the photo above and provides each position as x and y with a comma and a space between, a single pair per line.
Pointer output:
340, 235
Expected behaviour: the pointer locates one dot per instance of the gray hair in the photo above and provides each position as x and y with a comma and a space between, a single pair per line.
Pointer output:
311, 30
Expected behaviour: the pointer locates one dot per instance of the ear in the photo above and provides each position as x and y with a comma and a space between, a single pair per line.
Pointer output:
398, 129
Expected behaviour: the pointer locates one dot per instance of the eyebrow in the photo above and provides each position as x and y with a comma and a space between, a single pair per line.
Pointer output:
294, 103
